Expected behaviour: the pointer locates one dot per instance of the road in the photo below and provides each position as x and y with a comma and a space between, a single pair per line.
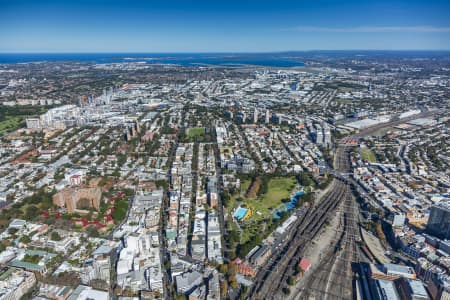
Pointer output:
165, 256
220, 188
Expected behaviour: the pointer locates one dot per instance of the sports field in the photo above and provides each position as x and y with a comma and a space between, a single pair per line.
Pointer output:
195, 131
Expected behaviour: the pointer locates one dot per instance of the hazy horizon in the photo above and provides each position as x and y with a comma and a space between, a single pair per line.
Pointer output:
229, 52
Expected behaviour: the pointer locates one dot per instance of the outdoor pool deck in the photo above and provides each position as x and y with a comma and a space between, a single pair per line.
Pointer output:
240, 213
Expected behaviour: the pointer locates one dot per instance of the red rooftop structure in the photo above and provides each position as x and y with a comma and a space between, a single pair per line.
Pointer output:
304, 264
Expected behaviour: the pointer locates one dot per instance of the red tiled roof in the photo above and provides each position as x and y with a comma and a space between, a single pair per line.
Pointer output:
246, 270
304, 264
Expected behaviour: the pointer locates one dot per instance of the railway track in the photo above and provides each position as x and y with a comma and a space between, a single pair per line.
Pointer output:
282, 264
335, 265
333, 277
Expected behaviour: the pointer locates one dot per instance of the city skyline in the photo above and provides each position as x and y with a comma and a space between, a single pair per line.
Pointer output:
117, 26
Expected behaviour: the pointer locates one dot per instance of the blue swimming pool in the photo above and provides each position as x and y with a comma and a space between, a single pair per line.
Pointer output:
240, 213
290, 205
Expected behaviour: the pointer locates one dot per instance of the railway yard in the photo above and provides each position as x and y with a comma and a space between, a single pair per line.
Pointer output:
334, 276
274, 275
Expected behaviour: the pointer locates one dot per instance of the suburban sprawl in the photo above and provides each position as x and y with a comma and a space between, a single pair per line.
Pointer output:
130, 180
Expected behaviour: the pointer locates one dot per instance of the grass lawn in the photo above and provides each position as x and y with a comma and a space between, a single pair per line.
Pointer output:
249, 232
120, 210
10, 124
343, 101
233, 202
262, 207
278, 188
195, 131
367, 154
244, 185
11, 117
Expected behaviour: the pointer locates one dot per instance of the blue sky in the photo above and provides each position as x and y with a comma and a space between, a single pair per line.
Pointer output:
222, 26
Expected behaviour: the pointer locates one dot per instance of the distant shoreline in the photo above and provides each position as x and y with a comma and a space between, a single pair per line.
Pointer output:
287, 59
188, 59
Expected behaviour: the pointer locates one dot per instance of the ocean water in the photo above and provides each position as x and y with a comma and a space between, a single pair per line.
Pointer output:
188, 59
280, 59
